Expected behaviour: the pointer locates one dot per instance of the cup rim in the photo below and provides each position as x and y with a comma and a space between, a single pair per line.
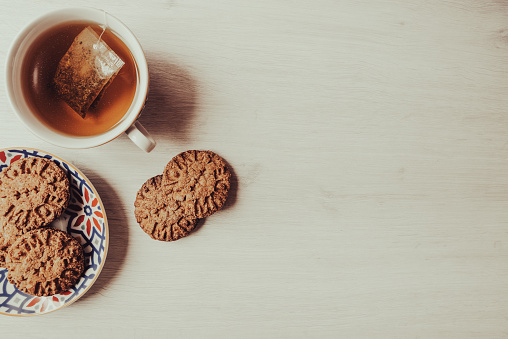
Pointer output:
77, 142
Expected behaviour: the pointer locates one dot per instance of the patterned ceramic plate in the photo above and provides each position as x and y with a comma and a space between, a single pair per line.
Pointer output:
84, 219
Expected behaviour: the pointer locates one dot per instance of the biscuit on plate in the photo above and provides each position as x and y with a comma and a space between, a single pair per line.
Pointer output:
45, 261
33, 192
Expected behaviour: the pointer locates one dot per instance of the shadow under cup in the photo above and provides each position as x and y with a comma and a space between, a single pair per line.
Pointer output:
18, 53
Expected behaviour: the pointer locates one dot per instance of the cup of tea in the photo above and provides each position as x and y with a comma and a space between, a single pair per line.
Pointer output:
33, 59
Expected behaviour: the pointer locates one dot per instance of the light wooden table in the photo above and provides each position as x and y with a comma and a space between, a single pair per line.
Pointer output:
369, 146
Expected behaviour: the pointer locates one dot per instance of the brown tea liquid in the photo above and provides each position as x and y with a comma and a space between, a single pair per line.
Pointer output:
39, 68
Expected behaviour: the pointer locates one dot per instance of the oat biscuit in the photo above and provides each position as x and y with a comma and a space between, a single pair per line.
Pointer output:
45, 261
160, 216
33, 192
5, 242
9, 233
197, 180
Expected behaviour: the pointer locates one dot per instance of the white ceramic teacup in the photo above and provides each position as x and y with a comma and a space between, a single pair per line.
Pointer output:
127, 124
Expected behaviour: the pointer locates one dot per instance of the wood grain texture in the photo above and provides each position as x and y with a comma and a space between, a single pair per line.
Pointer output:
369, 148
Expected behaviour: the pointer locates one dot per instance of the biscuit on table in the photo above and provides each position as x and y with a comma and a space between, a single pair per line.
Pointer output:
45, 261
33, 192
199, 181
159, 215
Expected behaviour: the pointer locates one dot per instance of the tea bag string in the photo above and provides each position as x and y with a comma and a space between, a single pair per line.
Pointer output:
104, 26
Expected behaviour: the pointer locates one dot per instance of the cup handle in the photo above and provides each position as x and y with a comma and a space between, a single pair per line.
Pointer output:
139, 135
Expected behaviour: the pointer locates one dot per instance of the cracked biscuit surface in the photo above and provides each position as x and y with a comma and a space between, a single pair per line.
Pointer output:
45, 261
199, 181
33, 192
160, 216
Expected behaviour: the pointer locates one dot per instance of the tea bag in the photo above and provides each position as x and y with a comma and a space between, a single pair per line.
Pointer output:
85, 71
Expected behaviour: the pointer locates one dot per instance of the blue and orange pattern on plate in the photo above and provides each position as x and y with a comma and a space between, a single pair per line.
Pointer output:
84, 219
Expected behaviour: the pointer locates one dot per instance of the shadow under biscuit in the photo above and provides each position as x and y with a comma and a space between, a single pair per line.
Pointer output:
233, 188
118, 233
172, 100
